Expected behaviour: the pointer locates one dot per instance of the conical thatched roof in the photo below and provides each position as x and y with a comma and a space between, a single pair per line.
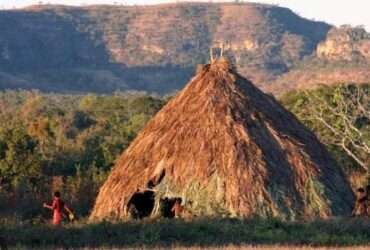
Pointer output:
227, 149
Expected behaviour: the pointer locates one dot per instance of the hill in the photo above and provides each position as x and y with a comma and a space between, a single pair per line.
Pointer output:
152, 48
343, 57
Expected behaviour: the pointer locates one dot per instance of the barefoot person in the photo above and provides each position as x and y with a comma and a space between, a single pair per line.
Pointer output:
58, 207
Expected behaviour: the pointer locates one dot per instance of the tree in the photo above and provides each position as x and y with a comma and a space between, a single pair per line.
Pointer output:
350, 110
18, 158
340, 116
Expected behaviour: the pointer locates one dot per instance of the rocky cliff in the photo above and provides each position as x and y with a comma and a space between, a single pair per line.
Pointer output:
345, 43
343, 57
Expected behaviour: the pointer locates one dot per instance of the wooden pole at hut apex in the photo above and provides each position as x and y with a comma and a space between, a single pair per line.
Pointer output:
211, 51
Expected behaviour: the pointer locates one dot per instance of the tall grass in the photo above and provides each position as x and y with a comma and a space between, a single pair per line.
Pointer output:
208, 233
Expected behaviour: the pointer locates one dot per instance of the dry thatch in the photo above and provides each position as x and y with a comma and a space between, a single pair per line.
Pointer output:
226, 149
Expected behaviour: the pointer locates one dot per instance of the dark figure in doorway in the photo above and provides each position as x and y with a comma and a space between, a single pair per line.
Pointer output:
360, 208
177, 208
368, 200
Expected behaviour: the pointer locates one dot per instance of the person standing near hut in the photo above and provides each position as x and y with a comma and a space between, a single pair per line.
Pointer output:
177, 208
58, 207
360, 208
368, 200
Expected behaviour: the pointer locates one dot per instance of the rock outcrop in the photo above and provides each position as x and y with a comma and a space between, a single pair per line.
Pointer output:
345, 43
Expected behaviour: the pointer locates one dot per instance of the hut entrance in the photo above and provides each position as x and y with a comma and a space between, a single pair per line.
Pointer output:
166, 205
141, 204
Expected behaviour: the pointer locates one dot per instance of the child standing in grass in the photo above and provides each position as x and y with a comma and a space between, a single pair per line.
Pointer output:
58, 207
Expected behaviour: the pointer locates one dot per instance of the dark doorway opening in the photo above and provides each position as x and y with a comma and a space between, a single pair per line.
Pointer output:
141, 204
166, 206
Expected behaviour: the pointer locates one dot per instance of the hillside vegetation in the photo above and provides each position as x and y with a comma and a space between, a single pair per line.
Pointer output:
152, 48
156, 48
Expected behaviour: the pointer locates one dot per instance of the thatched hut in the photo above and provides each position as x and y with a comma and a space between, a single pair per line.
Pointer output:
226, 149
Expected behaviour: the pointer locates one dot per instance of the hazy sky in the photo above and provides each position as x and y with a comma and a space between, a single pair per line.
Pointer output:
354, 12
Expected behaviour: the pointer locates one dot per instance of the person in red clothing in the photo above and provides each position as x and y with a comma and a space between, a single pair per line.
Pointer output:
58, 207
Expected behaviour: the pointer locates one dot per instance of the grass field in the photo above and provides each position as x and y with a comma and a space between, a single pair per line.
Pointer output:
230, 247
199, 234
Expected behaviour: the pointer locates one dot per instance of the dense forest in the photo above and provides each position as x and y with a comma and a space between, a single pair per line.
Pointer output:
69, 143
